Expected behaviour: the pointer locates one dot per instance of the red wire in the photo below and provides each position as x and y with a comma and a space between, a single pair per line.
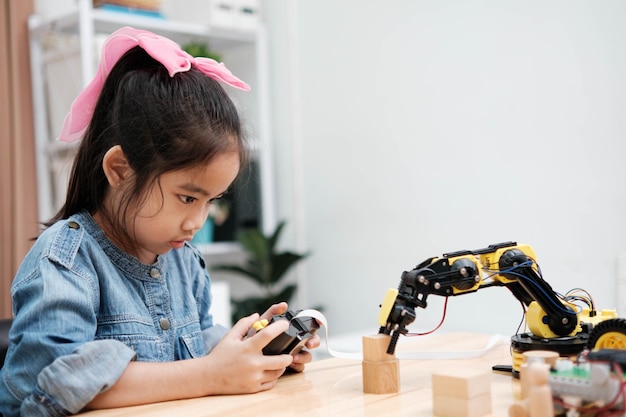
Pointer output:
445, 307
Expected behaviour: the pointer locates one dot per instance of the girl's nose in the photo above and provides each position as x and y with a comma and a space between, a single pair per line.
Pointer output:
195, 222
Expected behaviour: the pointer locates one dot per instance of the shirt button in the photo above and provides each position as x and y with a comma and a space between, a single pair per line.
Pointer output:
164, 323
155, 273
73, 225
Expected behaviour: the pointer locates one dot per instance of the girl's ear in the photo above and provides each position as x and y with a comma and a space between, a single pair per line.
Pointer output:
115, 166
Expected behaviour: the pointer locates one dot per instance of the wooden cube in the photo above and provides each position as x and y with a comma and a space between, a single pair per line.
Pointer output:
461, 383
444, 406
461, 393
381, 371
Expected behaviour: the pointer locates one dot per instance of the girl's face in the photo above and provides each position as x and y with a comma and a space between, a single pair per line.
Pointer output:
178, 205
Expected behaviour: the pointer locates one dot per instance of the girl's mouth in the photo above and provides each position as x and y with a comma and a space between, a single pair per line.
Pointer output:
177, 244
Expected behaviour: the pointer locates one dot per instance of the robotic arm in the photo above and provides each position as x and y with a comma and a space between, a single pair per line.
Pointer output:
504, 264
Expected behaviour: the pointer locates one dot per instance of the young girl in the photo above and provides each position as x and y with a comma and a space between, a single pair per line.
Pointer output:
111, 298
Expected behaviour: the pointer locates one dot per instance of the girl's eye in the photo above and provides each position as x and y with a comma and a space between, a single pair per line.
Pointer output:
186, 199
214, 199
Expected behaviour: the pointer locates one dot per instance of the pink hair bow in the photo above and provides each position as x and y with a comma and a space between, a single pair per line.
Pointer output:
164, 50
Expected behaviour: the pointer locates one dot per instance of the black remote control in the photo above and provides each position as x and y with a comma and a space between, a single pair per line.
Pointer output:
293, 339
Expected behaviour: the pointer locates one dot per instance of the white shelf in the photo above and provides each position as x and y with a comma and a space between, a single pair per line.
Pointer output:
219, 248
106, 21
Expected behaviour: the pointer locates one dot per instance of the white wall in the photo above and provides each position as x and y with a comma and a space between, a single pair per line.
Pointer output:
410, 128
433, 126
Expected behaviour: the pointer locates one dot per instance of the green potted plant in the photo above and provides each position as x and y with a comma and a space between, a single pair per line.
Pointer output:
201, 49
264, 265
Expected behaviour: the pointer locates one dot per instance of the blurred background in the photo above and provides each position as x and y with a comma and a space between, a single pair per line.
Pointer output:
392, 132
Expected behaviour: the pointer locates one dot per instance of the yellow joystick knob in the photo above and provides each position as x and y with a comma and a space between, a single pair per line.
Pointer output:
259, 324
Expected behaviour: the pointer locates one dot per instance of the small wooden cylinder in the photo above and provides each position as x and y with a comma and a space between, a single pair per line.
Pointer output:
529, 357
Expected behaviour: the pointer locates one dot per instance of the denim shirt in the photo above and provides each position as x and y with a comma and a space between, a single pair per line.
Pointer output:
83, 309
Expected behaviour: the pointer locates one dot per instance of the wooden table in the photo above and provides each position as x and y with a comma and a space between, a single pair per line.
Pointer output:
333, 387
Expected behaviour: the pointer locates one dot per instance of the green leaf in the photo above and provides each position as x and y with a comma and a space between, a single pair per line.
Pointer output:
256, 244
282, 262
286, 294
245, 307
253, 275
273, 240
199, 49
265, 266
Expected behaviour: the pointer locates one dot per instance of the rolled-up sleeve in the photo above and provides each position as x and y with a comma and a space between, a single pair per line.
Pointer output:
54, 366
72, 381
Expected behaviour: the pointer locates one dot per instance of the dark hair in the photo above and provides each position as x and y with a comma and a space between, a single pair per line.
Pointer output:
162, 124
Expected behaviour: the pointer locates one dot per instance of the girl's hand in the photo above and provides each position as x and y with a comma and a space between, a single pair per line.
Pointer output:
303, 357
274, 310
237, 364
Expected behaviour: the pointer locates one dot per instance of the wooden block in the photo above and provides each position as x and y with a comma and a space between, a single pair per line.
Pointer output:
444, 406
381, 377
461, 383
381, 371
375, 348
519, 409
